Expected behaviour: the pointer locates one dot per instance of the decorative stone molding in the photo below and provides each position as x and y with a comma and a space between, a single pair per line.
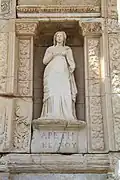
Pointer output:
115, 164
112, 9
113, 26
55, 163
25, 68
5, 6
93, 97
58, 9
26, 27
7, 9
90, 27
61, 2
3, 61
114, 54
6, 118
22, 125
38, 123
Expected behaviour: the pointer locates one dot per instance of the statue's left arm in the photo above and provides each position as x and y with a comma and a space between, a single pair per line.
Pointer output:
70, 59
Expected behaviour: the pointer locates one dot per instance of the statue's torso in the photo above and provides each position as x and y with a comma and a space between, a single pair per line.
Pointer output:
59, 63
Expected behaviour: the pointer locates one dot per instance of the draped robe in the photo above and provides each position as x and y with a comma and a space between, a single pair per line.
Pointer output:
59, 85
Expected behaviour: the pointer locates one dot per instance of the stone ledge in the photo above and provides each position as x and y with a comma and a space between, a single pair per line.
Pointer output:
56, 123
57, 9
54, 163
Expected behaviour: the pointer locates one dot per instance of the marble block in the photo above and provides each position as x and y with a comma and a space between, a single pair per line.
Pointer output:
60, 177
58, 136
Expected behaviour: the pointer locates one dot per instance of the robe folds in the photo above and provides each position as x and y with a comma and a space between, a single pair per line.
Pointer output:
59, 85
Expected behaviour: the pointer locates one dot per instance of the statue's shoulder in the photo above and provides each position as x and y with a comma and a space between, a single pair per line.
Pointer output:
50, 48
68, 48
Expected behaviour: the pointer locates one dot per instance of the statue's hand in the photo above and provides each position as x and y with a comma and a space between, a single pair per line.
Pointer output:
63, 53
71, 69
56, 54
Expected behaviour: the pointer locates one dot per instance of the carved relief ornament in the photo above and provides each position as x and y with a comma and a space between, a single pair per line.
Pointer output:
90, 27
5, 6
26, 27
58, 9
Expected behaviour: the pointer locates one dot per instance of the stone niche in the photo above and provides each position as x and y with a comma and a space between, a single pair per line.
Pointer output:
56, 136
76, 42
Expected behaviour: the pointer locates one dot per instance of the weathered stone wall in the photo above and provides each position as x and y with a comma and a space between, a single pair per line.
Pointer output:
97, 22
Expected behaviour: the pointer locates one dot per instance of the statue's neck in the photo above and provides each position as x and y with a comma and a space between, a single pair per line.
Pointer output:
60, 45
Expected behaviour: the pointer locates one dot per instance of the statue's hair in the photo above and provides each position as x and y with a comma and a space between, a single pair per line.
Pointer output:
64, 36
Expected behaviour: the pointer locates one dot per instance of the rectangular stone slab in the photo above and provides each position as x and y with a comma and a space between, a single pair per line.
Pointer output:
60, 177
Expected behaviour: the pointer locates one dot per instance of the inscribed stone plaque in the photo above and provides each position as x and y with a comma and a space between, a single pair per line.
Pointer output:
54, 141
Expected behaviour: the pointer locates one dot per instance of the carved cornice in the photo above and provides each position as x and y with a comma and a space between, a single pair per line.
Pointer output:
90, 27
55, 163
58, 9
45, 123
26, 27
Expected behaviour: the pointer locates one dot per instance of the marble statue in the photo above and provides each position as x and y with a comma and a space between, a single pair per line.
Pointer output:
59, 83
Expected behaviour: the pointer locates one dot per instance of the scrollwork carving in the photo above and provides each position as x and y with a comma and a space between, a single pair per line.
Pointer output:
114, 46
5, 6
94, 58
112, 9
26, 27
114, 50
90, 27
97, 133
3, 60
113, 26
21, 127
95, 103
58, 9
24, 68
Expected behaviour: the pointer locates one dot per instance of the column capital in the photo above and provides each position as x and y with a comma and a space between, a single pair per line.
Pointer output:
26, 27
90, 28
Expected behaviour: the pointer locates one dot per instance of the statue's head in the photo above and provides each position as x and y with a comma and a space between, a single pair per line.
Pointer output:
60, 36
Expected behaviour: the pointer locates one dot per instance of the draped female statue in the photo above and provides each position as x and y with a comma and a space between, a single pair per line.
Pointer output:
59, 83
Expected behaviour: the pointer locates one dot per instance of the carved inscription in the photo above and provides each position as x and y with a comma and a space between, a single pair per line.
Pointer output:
63, 139
54, 141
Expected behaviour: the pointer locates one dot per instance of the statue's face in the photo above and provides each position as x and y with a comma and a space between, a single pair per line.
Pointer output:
59, 37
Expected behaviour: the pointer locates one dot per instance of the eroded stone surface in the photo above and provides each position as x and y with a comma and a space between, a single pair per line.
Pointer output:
58, 136
61, 2
59, 177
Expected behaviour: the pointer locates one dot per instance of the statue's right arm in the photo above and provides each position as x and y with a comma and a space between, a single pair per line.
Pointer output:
48, 56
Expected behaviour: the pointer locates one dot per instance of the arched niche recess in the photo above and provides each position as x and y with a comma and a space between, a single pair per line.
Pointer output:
76, 42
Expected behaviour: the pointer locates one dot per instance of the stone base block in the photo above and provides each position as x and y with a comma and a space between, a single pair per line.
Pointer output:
59, 177
58, 136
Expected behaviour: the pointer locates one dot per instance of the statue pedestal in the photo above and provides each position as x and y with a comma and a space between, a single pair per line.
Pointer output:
58, 136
